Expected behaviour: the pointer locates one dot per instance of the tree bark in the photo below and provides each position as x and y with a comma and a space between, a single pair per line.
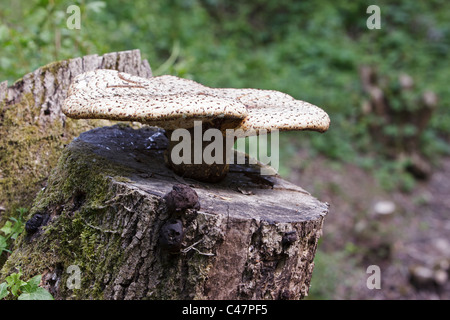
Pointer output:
106, 208
33, 130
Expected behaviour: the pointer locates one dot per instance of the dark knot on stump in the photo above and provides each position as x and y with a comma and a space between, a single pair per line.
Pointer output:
181, 198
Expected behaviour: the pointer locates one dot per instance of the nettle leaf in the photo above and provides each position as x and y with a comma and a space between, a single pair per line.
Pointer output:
38, 294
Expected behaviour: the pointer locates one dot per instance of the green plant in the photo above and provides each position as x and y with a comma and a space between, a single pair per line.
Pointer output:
24, 290
393, 176
12, 229
329, 277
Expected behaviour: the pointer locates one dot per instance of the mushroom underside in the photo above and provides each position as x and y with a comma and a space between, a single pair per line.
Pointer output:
186, 158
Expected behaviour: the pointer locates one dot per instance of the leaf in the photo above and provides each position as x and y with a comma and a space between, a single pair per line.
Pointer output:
32, 291
38, 294
17, 229
14, 282
3, 290
3, 244
7, 228
32, 284
13, 230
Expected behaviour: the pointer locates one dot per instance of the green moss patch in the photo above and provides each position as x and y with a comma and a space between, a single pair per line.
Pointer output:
74, 200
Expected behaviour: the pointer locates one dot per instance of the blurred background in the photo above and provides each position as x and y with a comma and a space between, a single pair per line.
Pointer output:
384, 165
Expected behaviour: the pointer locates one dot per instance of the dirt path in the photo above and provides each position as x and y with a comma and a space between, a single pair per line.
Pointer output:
411, 246
426, 245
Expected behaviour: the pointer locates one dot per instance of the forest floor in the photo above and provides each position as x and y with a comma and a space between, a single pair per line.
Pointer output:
410, 244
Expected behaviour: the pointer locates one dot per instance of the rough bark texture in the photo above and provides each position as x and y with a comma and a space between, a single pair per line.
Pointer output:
104, 210
33, 130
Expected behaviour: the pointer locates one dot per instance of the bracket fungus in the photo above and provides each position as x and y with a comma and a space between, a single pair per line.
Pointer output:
172, 103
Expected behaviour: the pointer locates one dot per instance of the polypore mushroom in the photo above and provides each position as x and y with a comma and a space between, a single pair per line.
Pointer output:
171, 103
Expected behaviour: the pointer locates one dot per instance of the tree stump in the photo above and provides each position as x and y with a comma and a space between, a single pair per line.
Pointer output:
107, 211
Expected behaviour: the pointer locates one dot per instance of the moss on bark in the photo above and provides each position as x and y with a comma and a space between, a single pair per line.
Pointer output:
73, 202
33, 130
28, 151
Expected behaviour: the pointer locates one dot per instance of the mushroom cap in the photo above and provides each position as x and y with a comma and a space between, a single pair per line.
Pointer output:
170, 102
269, 110
167, 102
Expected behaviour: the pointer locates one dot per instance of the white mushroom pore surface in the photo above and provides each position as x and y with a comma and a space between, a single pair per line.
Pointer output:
170, 102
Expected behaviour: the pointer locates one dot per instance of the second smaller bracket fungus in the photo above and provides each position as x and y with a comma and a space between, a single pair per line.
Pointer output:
173, 103
171, 236
33, 224
181, 198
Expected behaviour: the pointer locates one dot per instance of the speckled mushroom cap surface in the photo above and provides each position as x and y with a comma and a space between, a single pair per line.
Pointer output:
269, 110
170, 102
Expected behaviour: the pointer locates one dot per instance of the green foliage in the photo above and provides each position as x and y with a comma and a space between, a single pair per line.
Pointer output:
23, 290
331, 274
311, 50
3, 290
32, 291
14, 283
393, 176
12, 229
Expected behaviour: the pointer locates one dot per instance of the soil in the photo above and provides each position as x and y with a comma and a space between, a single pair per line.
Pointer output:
411, 245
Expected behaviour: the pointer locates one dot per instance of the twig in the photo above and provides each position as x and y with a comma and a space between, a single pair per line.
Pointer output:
192, 247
